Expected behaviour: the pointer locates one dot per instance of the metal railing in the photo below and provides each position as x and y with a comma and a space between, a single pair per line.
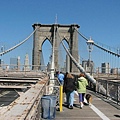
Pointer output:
112, 89
33, 111
108, 73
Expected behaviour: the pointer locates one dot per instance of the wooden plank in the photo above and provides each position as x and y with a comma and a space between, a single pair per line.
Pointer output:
23, 81
17, 78
14, 87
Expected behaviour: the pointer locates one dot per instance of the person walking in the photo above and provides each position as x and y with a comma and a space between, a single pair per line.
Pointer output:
69, 88
61, 78
81, 88
65, 96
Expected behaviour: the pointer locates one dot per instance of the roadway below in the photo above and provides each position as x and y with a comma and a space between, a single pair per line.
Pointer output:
7, 97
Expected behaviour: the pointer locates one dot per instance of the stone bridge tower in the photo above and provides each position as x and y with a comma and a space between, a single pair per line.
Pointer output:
55, 33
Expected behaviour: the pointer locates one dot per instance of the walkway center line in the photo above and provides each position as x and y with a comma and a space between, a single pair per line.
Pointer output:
103, 116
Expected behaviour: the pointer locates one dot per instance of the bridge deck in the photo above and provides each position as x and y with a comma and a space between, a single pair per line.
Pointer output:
19, 81
100, 109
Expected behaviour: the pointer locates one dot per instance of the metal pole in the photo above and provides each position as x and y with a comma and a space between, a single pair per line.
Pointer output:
90, 48
61, 98
89, 60
90, 67
52, 62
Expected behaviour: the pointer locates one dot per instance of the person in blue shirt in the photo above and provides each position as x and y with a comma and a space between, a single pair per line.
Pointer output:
61, 78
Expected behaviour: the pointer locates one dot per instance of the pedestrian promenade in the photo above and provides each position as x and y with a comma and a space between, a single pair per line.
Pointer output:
100, 109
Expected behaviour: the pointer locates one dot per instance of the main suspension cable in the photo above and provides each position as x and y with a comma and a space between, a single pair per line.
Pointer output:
100, 47
12, 48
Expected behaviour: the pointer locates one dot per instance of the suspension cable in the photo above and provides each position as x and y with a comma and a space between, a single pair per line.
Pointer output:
102, 48
12, 48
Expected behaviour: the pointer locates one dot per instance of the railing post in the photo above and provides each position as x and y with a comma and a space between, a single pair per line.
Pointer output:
107, 89
96, 88
118, 94
117, 73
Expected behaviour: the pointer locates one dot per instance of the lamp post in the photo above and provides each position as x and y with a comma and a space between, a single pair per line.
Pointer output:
90, 48
52, 59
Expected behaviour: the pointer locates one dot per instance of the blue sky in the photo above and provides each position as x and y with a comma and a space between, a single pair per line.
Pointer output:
99, 19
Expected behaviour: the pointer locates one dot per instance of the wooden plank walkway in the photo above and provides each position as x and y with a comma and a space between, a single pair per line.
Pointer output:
13, 87
19, 81
100, 109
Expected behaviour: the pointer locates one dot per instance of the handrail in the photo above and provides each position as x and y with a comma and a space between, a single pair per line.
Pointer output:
112, 89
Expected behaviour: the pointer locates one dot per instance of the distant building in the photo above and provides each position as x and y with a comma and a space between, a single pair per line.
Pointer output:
114, 71
48, 66
18, 62
13, 64
1, 67
26, 63
88, 66
105, 68
2, 64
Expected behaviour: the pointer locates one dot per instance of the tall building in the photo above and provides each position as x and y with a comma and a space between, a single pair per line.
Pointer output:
13, 64
2, 64
105, 68
114, 71
26, 63
85, 64
88, 66
18, 63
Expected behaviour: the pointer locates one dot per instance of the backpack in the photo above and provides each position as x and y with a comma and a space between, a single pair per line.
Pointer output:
76, 82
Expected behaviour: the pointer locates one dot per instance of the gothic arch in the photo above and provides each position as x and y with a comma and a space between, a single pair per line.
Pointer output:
55, 33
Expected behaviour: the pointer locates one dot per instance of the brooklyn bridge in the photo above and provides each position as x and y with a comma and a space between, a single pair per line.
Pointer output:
22, 85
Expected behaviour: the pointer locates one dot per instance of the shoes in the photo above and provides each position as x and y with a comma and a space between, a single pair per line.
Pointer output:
81, 106
70, 107
84, 103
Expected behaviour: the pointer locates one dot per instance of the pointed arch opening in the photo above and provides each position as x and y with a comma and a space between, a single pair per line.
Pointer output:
63, 60
46, 55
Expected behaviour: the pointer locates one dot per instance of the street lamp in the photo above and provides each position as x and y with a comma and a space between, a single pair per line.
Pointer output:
90, 48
